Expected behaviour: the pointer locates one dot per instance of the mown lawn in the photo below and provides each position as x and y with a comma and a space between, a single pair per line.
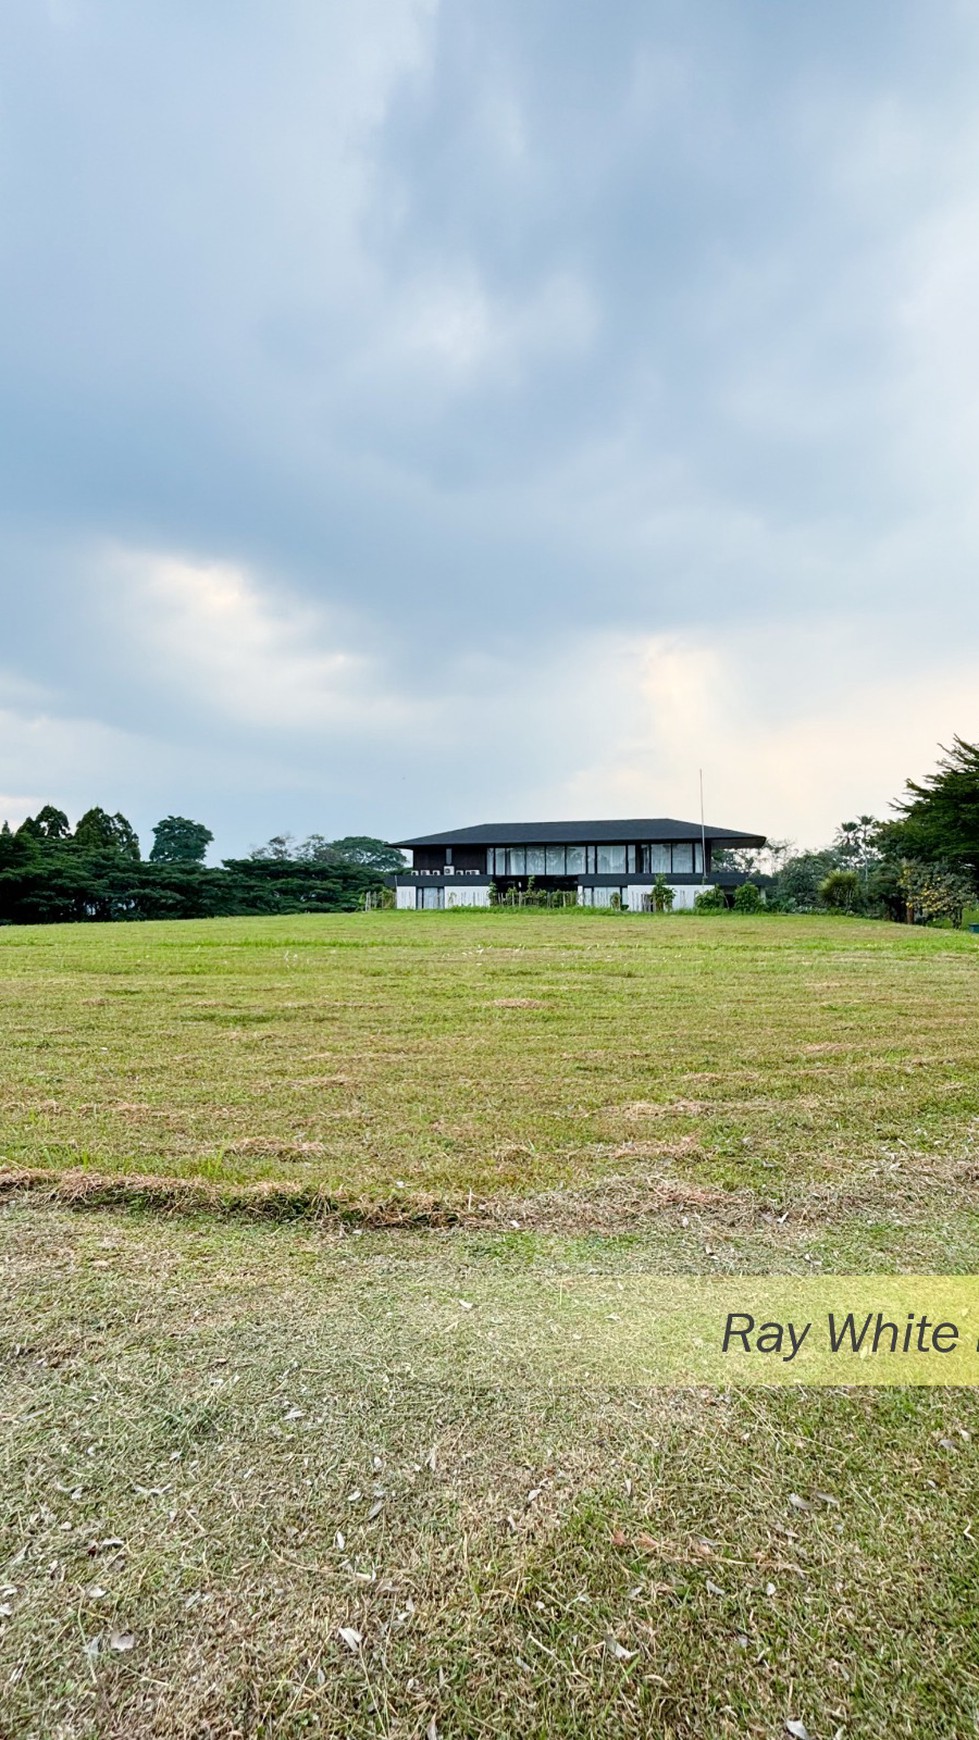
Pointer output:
226, 1444
400, 1056
247, 1485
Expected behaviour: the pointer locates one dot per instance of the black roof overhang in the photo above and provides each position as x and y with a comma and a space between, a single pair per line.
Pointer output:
582, 833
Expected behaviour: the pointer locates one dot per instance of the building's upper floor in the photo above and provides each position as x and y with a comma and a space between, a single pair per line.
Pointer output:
660, 846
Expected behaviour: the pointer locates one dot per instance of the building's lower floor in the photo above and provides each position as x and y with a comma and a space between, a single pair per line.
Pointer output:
433, 891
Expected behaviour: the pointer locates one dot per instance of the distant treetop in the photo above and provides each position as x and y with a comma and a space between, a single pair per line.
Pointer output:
48, 824
361, 849
99, 832
178, 840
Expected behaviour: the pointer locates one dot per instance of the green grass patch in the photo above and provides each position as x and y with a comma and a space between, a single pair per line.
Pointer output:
247, 1486
369, 1055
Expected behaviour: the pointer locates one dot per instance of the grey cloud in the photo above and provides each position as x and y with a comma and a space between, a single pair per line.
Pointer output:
486, 331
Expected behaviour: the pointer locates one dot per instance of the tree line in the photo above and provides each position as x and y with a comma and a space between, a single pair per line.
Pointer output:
920, 867
51, 873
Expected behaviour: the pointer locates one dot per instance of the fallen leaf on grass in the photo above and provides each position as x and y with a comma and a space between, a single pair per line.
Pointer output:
351, 1638
797, 1729
121, 1640
643, 1542
618, 1649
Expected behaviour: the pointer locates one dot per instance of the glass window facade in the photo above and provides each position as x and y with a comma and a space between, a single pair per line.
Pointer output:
604, 896
658, 858
611, 860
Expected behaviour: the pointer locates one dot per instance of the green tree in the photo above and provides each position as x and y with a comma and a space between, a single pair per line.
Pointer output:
935, 891
177, 840
857, 844
99, 832
743, 859
940, 816
315, 849
797, 883
18, 850
840, 890
48, 824
278, 850
371, 853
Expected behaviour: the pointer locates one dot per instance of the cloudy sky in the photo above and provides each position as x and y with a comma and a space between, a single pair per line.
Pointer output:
420, 412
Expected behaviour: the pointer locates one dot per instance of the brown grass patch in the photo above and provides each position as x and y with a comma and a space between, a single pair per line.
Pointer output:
276, 1148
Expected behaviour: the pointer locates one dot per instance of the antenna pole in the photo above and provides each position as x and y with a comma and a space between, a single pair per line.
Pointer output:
703, 833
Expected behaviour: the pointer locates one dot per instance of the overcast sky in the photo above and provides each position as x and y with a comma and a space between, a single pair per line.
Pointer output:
418, 413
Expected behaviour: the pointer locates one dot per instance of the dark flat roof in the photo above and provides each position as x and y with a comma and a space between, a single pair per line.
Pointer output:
581, 833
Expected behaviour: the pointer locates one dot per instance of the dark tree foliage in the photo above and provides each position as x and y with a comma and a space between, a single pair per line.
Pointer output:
281, 848
362, 849
285, 885
796, 887
940, 816
177, 840
374, 854
48, 879
48, 824
99, 832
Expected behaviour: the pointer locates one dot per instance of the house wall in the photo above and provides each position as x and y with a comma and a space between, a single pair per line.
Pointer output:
469, 858
685, 895
467, 895
404, 899
634, 894
459, 857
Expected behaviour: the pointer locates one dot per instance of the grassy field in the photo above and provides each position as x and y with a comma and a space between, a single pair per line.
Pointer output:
392, 1057
249, 1490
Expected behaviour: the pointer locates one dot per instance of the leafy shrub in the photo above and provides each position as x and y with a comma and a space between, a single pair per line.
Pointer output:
840, 890
747, 898
935, 891
663, 895
709, 900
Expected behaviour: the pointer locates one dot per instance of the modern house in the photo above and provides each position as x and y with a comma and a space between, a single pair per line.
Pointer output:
603, 863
